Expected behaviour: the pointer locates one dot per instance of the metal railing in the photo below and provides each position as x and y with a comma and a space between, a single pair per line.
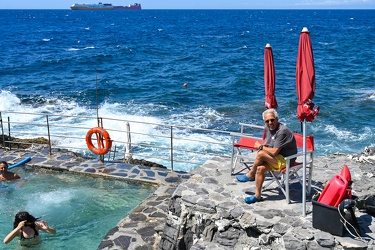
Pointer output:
172, 150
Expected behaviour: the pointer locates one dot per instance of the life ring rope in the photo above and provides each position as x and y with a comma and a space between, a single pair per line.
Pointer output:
103, 140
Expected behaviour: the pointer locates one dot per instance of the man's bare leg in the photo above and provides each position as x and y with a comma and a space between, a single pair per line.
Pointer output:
259, 179
262, 158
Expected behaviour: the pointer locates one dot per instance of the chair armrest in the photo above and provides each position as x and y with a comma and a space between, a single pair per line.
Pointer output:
287, 158
293, 156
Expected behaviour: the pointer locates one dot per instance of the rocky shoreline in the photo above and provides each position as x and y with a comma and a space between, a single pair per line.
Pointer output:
205, 209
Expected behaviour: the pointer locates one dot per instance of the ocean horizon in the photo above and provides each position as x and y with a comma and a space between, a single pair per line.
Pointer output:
51, 59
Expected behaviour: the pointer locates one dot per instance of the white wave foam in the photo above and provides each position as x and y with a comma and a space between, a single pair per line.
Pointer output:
368, 93
327, 43
344, 135
200, 117
8, 100
75, 49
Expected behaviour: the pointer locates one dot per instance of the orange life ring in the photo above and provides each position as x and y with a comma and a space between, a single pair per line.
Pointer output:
103, 139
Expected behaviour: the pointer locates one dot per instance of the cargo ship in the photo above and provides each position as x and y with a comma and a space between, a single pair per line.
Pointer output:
105, 6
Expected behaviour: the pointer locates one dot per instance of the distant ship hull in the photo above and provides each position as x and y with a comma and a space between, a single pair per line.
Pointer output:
135, 6
105, 6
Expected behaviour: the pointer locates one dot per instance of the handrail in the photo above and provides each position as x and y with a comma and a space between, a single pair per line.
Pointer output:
170, 152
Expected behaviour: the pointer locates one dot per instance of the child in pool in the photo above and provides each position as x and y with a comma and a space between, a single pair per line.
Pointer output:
5, 174
27, 228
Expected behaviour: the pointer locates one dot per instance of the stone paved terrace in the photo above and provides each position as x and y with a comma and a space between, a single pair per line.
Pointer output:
205, 209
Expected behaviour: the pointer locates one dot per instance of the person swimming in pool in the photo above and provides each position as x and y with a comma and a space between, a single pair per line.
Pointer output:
27, 228
5, 174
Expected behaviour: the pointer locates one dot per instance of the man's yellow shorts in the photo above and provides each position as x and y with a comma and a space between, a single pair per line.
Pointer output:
281, 163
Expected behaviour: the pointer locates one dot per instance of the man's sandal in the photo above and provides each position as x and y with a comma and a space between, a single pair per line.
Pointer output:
252, 199
244, 178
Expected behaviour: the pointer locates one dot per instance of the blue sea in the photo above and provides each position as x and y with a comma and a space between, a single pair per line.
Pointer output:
50, 60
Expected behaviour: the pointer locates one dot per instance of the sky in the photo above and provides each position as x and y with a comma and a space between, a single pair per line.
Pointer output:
198, 4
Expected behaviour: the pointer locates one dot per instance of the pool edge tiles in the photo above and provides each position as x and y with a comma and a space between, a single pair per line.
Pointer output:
144, 224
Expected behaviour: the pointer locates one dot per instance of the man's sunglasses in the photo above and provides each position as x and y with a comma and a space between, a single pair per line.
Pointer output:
270, 120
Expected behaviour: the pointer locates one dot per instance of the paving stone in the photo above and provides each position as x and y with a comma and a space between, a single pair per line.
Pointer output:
124, 241
149, 210
137, 217
158, 215
64, 157
172, 179
130, 225
150, 173
120, 174
146, 231
164, 174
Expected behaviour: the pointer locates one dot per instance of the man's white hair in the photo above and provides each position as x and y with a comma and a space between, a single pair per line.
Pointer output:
271, 111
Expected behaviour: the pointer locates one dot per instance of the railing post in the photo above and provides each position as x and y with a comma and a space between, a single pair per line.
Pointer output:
114, 154
10, 145
128, 145
172, 148
100, 124
2, 129
49, 137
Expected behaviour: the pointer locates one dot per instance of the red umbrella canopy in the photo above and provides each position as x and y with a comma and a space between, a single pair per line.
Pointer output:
269, 78
305, 79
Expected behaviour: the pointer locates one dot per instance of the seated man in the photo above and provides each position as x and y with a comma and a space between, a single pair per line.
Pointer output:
5, 174
279, 142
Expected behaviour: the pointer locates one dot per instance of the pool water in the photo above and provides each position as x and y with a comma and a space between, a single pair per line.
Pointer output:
81, 208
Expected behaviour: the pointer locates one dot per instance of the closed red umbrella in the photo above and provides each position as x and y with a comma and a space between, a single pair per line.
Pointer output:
305, 79
305, 85
269, 78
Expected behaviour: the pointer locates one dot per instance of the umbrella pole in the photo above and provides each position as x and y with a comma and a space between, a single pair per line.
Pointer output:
304, 170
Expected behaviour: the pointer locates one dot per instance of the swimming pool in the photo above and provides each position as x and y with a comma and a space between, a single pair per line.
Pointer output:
81, 208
